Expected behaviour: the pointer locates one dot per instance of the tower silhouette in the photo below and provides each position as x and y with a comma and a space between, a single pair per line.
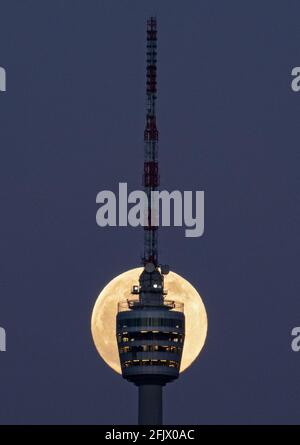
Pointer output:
150, 329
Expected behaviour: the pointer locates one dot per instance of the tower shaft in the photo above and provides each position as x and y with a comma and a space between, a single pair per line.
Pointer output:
150, 404
151, 174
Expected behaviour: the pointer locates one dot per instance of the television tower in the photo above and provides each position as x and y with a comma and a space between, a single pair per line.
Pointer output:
150, 329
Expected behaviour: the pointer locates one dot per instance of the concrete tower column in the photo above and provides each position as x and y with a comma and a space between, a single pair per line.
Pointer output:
150, 404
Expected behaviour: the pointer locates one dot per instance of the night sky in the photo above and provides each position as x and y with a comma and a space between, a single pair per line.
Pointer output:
71, 125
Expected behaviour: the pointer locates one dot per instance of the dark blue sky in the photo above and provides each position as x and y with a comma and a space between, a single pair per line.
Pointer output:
71, 124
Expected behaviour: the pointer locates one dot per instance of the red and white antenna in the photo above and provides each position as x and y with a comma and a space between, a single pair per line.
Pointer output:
151, 174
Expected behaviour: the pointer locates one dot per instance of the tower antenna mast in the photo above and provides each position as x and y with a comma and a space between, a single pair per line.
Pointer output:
151, 173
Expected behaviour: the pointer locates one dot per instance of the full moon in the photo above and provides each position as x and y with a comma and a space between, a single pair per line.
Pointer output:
103, 323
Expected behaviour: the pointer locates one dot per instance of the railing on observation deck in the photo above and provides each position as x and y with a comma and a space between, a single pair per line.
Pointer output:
170, 305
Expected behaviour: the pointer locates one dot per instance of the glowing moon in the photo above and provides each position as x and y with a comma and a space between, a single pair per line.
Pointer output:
103, 323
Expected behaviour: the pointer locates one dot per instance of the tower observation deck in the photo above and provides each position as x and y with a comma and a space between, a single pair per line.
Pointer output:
150, 329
